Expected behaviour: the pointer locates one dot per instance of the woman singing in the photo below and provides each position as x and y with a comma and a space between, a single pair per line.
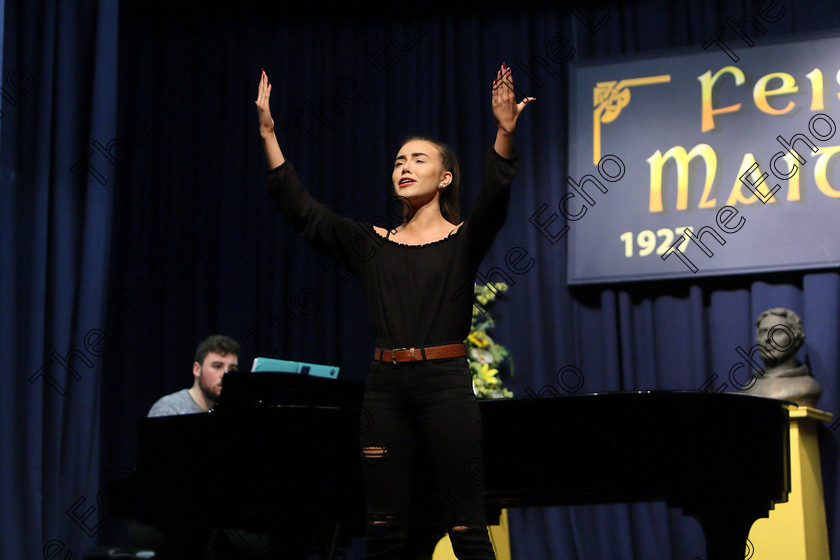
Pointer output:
418, 279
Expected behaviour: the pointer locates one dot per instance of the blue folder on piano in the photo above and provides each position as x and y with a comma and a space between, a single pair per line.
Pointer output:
303, 368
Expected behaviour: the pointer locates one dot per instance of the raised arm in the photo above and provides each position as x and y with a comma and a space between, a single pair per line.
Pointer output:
340, 238
273, 155
506, 110
500, 165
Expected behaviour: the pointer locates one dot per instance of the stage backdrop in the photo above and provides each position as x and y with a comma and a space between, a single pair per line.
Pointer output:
738, 149
136, 222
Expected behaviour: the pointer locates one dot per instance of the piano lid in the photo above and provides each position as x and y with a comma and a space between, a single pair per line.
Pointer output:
252, 389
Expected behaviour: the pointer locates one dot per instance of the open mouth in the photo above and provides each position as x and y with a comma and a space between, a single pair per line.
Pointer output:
405, 182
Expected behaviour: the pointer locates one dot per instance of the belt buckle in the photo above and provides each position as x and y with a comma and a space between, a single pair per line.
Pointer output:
394, 354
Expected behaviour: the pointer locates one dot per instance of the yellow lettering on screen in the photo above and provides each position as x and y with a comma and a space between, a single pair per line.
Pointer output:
821, 171
838, 82
707, 84
816, 78
761, 93
737, 194
681, 160
608, 99
793, 170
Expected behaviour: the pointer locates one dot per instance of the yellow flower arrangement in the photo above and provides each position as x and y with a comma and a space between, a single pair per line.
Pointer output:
486, 357
478, 339
486, 374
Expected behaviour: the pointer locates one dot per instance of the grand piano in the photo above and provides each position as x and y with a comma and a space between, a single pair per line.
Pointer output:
286, 447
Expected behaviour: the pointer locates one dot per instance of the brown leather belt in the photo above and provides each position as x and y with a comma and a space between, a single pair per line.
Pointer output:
398, 355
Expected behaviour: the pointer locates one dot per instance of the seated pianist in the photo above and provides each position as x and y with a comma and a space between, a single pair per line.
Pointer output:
214, 356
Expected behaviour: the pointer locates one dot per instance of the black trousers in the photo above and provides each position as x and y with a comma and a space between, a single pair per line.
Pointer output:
421, 451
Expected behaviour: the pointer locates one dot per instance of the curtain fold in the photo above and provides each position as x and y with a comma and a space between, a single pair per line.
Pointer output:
59, 84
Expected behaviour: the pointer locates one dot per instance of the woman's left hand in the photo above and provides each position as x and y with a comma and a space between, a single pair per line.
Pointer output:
505, 108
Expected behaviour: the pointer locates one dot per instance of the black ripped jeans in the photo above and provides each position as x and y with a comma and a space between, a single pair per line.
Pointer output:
422, 461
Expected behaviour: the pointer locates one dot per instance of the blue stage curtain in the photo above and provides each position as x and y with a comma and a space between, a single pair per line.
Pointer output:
59, 67
195, 246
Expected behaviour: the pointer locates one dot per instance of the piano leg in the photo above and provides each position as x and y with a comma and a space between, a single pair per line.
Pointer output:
727, 531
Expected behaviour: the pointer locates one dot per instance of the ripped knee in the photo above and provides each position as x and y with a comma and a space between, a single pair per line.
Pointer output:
372, 453
380, 520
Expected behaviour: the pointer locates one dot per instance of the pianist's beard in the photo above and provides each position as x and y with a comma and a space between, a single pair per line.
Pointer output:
209, 388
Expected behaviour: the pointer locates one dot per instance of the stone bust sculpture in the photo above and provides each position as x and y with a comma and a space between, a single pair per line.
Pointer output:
779, 331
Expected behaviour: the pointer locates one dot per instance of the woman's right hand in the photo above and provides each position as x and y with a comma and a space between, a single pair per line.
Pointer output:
263, 110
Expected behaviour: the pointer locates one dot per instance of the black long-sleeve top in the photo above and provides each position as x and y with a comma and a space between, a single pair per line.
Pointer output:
418, 295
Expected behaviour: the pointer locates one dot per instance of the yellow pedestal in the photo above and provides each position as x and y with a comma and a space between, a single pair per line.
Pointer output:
498, 536
796, 530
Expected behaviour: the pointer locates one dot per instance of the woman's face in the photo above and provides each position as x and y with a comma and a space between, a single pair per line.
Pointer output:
418, 171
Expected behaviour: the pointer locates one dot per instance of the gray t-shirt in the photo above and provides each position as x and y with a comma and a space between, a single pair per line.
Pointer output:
176, 403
